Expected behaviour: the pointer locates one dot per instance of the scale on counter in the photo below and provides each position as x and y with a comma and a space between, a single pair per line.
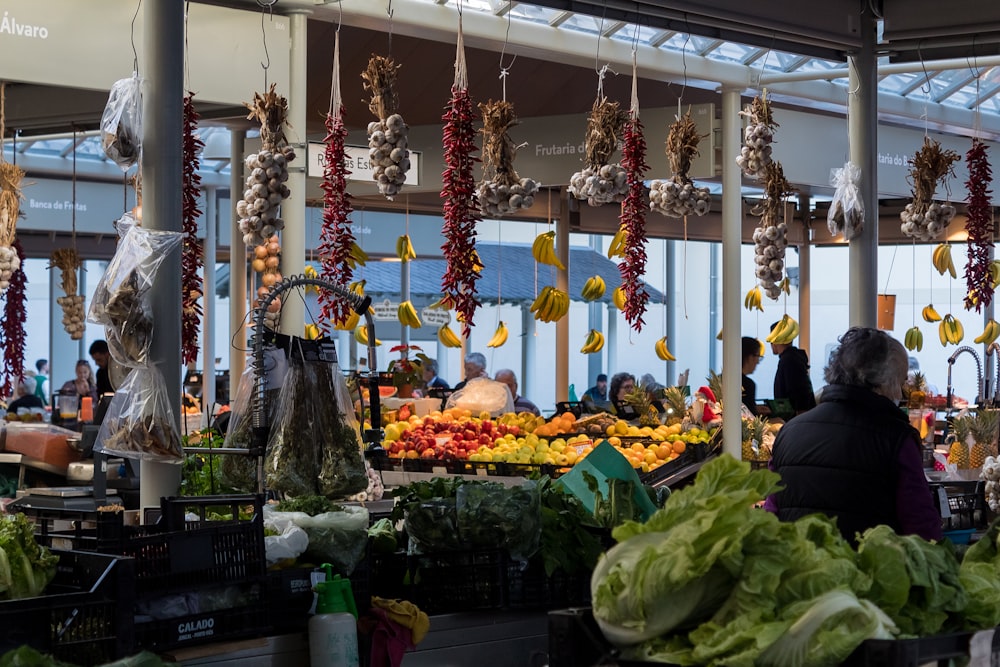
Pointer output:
79, 498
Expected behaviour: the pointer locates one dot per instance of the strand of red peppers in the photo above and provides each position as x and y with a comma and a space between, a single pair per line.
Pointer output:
335, 235
978, 276
12, 324
192, 260
461, 207
633, 214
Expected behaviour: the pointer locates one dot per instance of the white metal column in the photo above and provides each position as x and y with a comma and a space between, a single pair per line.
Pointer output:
238, 298
732, 221
562, 282
208, 309
805, 274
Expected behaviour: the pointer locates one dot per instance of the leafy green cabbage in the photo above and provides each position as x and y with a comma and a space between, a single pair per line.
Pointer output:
25, 567
980, 577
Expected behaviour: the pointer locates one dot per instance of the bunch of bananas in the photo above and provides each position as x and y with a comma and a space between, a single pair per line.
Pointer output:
617, 247
941, 258
361, 335
499, 336
929, 314
594, 288
404, 248
309, 271
618, 296
785, 332
594, 342
753, 299
349, 324
914, 339
357, 256
312, 332
663, 352
544, 250
995, 273
950, 330
448, 338
408, 315
990, 333
551, 304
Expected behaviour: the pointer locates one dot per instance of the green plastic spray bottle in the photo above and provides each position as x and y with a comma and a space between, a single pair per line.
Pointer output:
333, 630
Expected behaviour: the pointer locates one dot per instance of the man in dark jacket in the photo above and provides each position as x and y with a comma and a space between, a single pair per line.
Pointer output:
855, 456
791, 380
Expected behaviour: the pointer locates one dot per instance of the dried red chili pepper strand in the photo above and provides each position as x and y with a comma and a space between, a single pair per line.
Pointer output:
335, 233
14, 316
633, 219
192, 260
980, 228
461, 207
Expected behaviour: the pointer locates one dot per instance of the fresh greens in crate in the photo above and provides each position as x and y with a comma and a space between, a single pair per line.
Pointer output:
494, 516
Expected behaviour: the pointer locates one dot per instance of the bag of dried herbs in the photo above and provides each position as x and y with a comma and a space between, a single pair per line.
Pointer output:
122, 301
140, 423
240, 472
314, 443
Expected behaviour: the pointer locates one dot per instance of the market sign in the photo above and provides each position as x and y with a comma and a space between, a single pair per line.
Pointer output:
357, 161
436, 317
385, 310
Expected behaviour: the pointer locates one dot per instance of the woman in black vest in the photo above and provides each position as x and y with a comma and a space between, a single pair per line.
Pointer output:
855, 456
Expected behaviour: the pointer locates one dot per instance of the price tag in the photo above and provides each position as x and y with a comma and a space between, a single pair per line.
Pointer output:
439, 470
437, 317
481, 472
386, 310
943, 502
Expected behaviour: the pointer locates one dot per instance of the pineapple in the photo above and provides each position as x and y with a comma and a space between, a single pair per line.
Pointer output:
641, 402
915, 390
984, 435
714, 381
675, 402
753, 439
958, 453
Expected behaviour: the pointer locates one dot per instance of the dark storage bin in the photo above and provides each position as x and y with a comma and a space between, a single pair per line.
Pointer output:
84, 618
966, 504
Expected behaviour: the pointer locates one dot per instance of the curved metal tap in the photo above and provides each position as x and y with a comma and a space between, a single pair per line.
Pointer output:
979, 373
990, 349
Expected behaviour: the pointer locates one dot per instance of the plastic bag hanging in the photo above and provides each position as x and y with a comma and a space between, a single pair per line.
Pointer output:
847, 211
121, 123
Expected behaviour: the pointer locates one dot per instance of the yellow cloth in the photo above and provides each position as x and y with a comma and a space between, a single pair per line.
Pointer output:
406, 614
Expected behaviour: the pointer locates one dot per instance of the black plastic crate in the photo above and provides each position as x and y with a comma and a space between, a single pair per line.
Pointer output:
85, 616
911, 652
529, 587
966, 506
290, 594
457, 581
248, 618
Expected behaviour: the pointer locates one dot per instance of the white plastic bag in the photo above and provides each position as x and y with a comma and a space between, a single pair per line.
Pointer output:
121, 123
482, 395
290, 542
847, 211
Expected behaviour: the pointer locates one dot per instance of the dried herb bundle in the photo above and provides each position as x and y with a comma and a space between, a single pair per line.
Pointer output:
759, 111
604, 128
776, 190
380, 79
68, 262
929, 166
10, 200
682, 145
271, 111
498, 147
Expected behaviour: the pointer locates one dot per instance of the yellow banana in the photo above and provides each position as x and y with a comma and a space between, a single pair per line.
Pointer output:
785, 332
776, 332
914, 339
477, 262
404, 248
544, 252
594, 288
995, 273
310, 272
753, 299
357, 256
594, 342
361, 335
943, 332
990, 333
408, 315
499, 336
786, 286
540, 300
618, 296
448, 338
349, 324
662, 351
312, 332
929, 314
957, 331
617, 247
942, 260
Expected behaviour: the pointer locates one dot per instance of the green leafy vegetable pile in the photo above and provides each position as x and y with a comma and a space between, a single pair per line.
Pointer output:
26, 568
26, 656
711, 580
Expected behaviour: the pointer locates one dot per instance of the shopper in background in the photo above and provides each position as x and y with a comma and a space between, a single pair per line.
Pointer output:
102, 357
431, 379
855, 456
621, 384
596, 398
475, 367
791, 380
24, 396
652, 387
751, 357
42, 380
83, 384
521, 404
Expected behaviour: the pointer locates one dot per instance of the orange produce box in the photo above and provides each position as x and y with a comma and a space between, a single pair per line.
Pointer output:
44, 442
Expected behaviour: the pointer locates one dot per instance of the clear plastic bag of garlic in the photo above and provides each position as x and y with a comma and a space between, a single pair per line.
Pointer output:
678, 198
9, 263
926, 223
498, 199
991, 475
605, 185
260, 208
375, 489
769, 256
74, 315
390, 157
